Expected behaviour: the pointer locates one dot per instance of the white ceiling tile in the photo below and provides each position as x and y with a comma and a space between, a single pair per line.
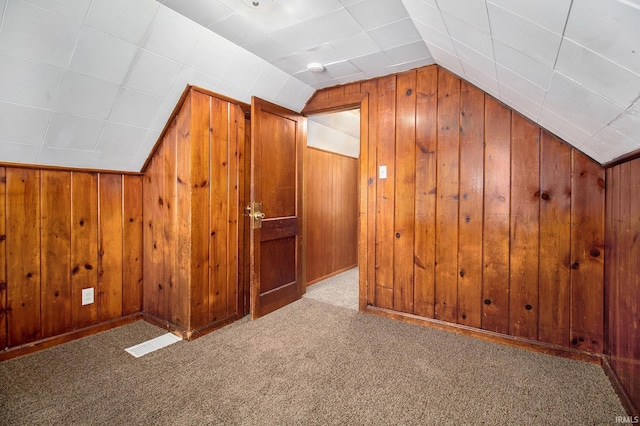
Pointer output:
172, 35
520, 64
21, 124
64, 157
473, 12
520, 103
469, 35
346, 3
86, 96
486, 82
578, 105
291, 64
29, 83
294, 94
73, 132
149, 143
375, 60
271, 19
521, 85
616, 141
481, 62
408, 53
244, 69
153, 74
564, 129
429, 15
126, 19
120, 139
306, 10
237, 29
358, 45
203, 12
396, 34
433, 37
137, 163
212, 54
532, 40
586, 67
609, 28
110, 161
298, 37
74, 9
551, 14
596, 150
191, 77
135, 108
34, 33
445, 59
269, 83
17, 153
102, 56
267, 48
336, 25
342, 69
163, 115
348, 79
372, 14
314, 79
629, 125
233, 91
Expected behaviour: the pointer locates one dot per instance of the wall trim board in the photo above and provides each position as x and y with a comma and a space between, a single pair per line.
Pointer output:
626, 401
182, 332
49, 342
623, 159
489, 336
68, 169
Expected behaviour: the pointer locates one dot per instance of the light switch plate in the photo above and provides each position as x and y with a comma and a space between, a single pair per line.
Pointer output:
383, 172
87, 296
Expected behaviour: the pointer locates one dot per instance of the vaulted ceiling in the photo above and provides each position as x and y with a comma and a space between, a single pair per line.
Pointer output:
91, 83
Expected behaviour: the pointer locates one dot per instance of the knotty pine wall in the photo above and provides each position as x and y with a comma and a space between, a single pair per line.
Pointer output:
623, 275
331, 213
485, 219
60, 232
191, 231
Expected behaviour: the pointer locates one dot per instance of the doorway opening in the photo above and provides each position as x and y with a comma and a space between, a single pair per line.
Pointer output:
331, 196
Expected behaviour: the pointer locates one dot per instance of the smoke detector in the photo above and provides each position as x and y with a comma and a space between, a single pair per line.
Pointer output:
315, 67
257, 4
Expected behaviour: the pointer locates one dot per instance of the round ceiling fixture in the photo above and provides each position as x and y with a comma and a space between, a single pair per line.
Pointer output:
257, 4
315, 67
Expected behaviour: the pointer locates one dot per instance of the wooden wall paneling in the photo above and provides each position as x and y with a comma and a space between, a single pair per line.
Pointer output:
612, 263
631, 299
220, 191
587, 252
313, 233
3, 259
110, 295
385, 190
345, 253
554, 274
497, 172
172, 308
184, 183
23, 256
471, 206
447, 178
200, 154
524, 233
236, 135
84, 246
153, 300
132, 245
55, 266
405, 185
425, 201
625, 316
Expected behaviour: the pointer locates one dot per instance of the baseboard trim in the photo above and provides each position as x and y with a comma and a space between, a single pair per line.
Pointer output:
189, 334
490, 336
332, 274
626, 401
49, 342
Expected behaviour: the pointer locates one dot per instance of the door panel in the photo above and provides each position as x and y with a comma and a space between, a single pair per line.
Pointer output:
275, 252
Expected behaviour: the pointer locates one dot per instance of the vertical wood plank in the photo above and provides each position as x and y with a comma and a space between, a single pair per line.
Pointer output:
447, 178
624, 243
405, 184
109, 296
236, 134
612, 263
525, 208
385, 191
3, 259
200, 145
555, 245
84, 246
631, 299
587, 252
56, 252
182, 292
366, 207
497, 160
346, 213
220, 190
471, 201
173, 307
425, 202
23, 256
132, 245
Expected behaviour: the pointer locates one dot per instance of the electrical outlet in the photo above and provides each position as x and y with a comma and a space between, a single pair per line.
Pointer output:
383, 172
87, 296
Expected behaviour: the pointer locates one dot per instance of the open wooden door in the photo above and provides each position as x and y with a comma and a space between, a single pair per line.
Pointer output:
278, 137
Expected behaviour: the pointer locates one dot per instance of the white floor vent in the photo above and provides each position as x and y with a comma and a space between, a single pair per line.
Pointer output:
153, 345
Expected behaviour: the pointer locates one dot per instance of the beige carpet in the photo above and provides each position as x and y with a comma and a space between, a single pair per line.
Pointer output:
339, 290
309, 363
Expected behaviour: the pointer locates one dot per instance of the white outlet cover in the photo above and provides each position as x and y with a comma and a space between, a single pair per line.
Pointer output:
383, 172
87, 296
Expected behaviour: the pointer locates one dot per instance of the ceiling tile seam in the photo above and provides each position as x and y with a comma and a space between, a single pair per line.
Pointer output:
4, 13
493, 50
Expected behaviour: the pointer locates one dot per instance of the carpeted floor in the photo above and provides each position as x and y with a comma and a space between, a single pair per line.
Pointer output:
339, 290
309, 363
